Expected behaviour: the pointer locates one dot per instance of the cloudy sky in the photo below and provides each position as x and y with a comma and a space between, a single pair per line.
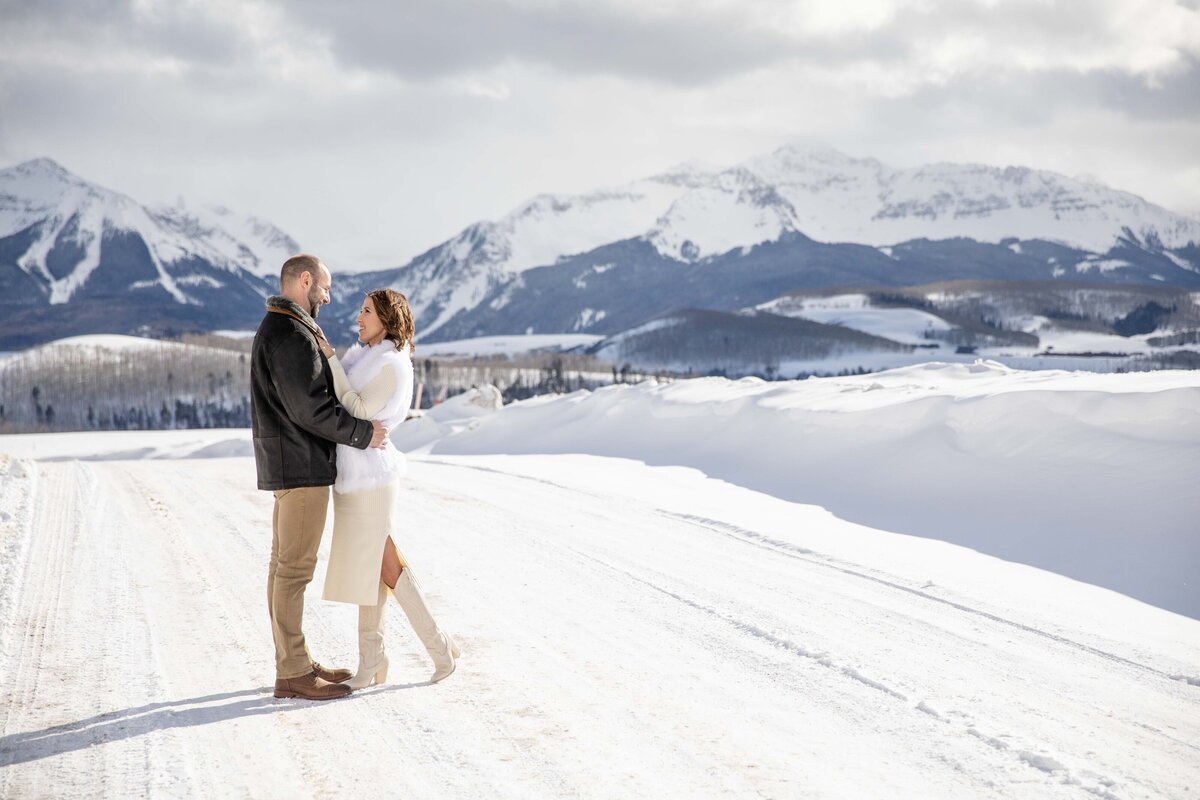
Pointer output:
371, 131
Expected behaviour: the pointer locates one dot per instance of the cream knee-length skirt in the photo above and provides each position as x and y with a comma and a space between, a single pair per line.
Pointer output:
362, 521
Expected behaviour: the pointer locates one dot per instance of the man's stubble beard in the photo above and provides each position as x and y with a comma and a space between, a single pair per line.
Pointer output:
314, 301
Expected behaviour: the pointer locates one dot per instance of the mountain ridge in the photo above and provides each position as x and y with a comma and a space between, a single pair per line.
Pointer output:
692, 236
76, 257
693, 214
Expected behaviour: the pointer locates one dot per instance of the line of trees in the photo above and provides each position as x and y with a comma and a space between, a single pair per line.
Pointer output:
155, 385
158, 385
519, 377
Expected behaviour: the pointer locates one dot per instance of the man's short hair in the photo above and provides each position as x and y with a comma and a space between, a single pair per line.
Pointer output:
295, 266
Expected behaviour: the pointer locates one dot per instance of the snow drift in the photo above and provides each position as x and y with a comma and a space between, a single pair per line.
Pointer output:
1090, 476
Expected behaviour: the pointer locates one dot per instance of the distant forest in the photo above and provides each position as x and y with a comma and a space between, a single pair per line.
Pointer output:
203, 381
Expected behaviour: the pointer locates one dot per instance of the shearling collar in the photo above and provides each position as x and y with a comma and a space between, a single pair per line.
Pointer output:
279, 301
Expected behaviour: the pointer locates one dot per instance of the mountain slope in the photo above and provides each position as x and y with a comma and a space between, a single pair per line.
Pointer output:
620, 285
764, 220
78, 258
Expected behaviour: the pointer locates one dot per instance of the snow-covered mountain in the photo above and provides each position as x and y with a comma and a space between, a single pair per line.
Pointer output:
837, 198
924, 220
76, 258
251, 243
68, 246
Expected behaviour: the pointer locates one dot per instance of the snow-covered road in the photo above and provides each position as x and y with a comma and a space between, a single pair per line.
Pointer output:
627, 631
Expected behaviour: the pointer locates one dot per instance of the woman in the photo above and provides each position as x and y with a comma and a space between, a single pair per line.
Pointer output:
376, 382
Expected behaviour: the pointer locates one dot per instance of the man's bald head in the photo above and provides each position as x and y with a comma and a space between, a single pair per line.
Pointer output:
305, 281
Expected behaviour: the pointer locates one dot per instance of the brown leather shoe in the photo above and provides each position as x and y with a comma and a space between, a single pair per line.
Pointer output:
332, 675
310, 687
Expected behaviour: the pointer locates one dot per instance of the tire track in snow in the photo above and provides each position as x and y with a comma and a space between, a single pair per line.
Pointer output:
199, 571
1033, 753
446, 740
1041, 763
620, 520
528, 537
80, 630
817, 657
791, 550
39, 601
1086, 780
189, 522
18, 494
803, 554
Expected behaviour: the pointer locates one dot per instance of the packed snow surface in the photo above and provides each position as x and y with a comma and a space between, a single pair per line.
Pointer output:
628, 630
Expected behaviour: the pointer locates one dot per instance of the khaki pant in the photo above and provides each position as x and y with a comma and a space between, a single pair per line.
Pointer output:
296, 527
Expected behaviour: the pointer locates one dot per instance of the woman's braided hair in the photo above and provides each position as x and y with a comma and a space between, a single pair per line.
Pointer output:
393, 311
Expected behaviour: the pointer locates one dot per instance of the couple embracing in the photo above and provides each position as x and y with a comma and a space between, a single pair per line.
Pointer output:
319, 421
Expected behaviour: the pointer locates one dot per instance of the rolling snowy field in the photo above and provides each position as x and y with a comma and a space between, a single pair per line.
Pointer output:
701, 589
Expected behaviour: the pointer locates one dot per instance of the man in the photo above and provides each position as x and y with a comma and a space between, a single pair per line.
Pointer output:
297, 422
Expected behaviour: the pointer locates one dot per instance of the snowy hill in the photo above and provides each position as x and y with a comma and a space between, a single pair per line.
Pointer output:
715, 342
771, 214
634, 630
75, 257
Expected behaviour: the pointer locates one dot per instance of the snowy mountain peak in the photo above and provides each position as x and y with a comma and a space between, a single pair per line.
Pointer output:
843, 199
693, 212
253, 244
797, 153
688, 174
46, 168
750, 210
693, 166
34, 188
66, 233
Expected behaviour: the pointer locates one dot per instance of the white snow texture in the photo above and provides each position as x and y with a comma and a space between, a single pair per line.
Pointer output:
698, 589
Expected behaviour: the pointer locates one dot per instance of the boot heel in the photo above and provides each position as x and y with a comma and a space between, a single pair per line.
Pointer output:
381, 674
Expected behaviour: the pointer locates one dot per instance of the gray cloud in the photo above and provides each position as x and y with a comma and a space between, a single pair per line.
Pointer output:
687, 46
1176, 96
446, 37
693, 46
100, 29
1033, 100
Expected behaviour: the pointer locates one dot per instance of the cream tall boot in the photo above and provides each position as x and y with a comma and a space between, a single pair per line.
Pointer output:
372, 660
438, 643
